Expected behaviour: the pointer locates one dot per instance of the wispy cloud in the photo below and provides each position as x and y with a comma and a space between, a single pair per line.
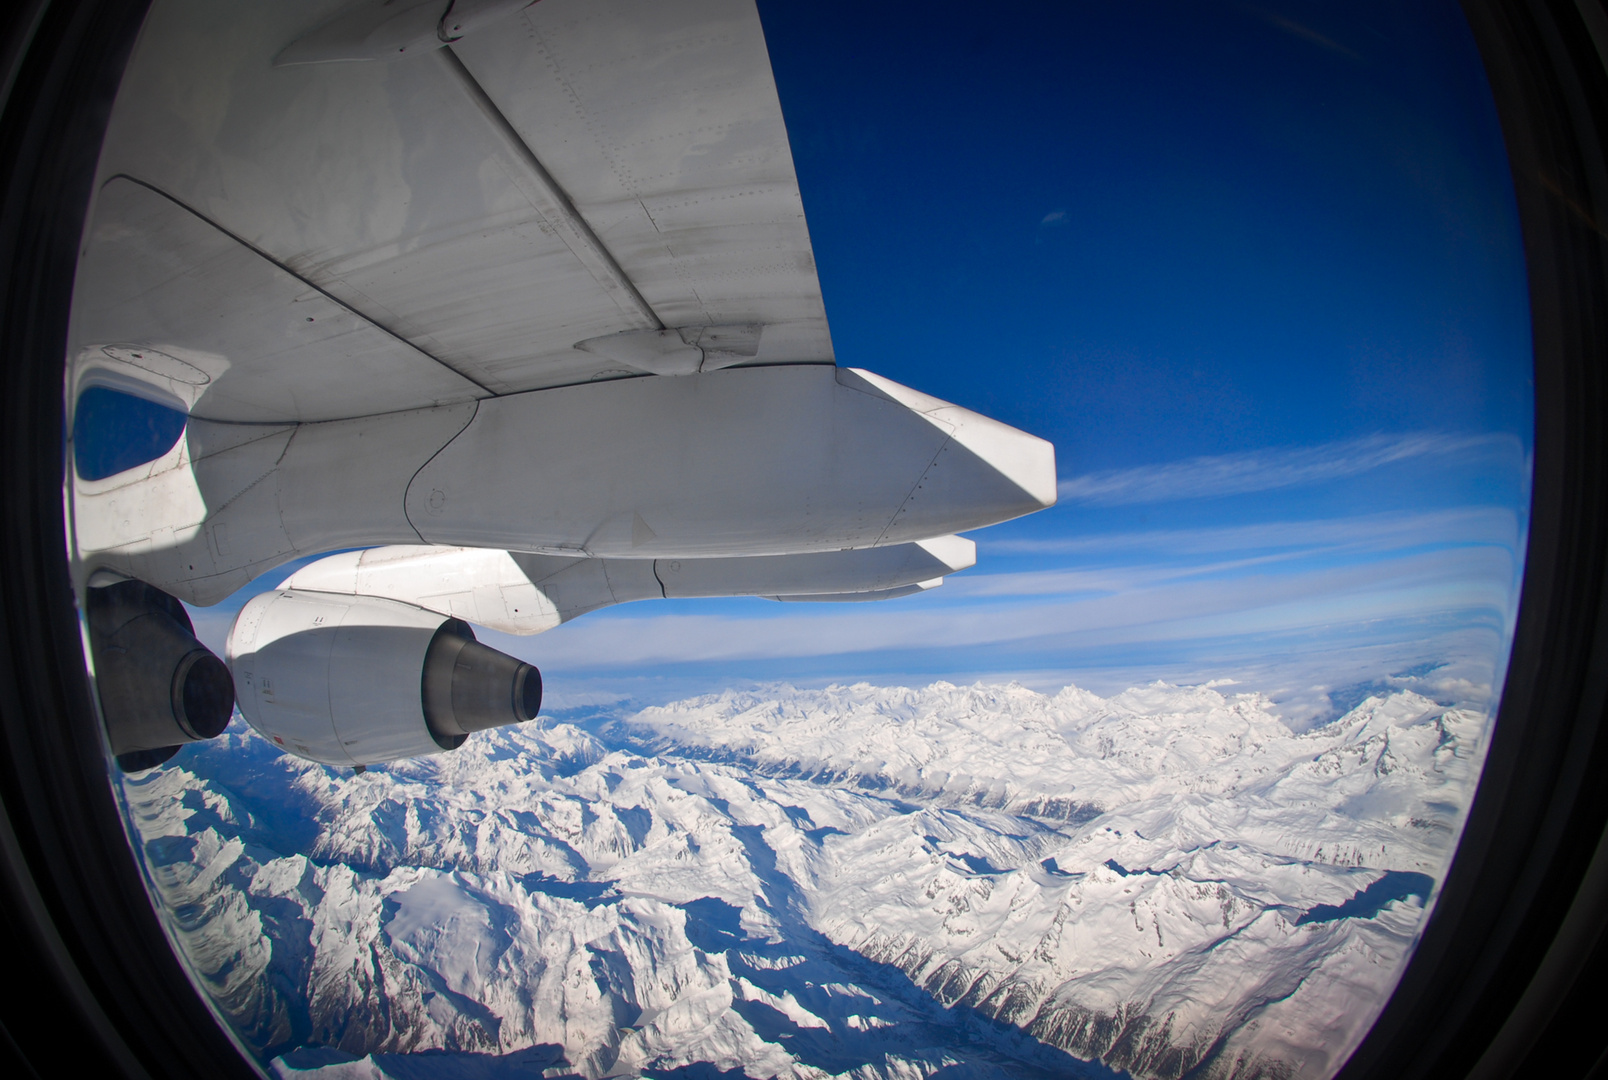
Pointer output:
1270, 470
1358, 534
1055, 217
1467, 582
1294, 607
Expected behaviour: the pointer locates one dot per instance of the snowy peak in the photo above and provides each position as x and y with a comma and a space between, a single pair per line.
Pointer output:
1063, 757
874, 881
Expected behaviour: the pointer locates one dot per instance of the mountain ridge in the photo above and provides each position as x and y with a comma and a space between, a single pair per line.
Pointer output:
865, 882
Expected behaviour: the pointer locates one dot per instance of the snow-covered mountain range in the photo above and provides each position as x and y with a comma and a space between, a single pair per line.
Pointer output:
876, 882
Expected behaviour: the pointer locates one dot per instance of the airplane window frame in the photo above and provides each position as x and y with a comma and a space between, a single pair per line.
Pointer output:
1495, 986
1491, 989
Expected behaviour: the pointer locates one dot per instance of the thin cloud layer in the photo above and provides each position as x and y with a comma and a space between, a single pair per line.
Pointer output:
1356, 534
1467, 583
1271, 470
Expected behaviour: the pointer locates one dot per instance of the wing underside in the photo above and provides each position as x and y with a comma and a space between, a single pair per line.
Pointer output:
388, 235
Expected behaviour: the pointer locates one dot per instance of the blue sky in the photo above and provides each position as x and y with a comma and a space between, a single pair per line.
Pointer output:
1255, 269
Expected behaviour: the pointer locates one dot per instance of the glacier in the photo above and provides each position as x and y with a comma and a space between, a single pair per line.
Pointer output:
863, 881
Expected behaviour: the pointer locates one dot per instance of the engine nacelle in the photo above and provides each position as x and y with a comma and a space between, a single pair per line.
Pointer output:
358, 680
159, 687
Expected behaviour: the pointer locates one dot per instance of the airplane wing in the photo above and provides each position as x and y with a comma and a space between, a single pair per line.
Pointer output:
390, 234
520, 297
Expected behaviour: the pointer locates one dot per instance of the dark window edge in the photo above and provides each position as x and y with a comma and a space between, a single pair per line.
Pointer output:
1497, 971
93, 982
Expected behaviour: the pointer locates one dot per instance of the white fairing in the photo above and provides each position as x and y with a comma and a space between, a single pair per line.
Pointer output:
864, 571
862, 597
336, 679
741, 462
520, 593
474, 584
767, 461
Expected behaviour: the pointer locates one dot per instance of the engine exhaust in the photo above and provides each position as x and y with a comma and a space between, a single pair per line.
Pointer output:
469, 687
159, 687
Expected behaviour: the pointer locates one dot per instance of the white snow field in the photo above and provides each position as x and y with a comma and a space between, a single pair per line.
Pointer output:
858, 881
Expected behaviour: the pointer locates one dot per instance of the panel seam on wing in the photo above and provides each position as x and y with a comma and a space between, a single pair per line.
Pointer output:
277, 264
913, 489
407, 488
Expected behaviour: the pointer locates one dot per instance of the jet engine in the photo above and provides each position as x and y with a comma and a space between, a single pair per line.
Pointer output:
159, 687
359, 680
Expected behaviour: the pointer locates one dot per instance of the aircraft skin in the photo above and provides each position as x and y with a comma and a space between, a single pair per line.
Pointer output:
524, 593
750, 461
521, 296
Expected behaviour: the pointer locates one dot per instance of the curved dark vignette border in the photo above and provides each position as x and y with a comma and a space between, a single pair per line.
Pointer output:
1502, 981
91, 982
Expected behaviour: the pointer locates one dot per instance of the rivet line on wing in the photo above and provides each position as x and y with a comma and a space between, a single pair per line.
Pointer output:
912, 493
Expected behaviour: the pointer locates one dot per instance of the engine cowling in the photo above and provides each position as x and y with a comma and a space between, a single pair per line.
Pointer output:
159, 687
359, 680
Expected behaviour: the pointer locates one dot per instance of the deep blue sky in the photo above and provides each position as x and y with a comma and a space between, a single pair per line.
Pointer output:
1254, 269
1149, 231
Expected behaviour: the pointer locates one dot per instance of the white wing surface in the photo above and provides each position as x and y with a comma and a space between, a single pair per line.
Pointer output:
574, 171
520, 593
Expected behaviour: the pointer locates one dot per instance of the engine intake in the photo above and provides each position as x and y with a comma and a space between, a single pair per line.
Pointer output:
159, 687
